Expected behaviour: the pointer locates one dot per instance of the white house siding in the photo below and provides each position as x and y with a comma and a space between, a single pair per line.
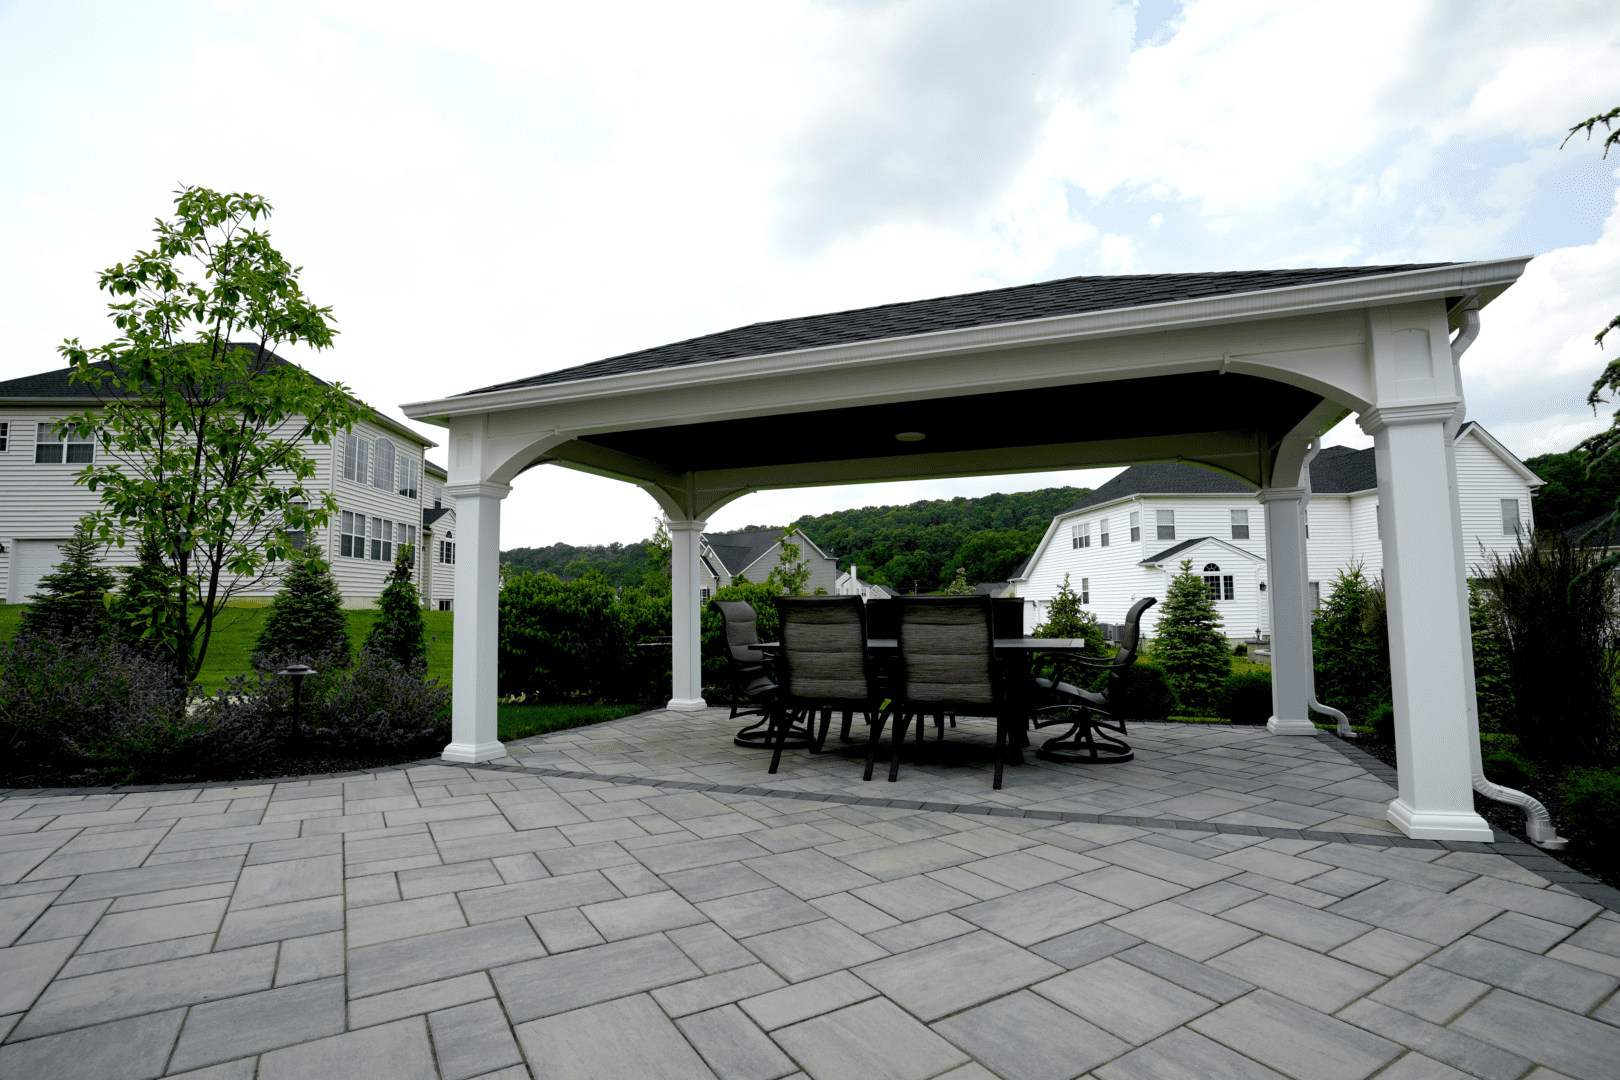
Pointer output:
42, 503
1331, 545
361, 579
1483, 480
1366, 547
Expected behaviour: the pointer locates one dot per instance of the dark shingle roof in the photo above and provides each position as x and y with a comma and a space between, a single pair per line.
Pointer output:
56, 385
432, 514
739, 550
1337, 470
1171, 552
1021, 303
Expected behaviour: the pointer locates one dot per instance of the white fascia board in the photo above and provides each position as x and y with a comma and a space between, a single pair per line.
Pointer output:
1489, 277
1509, 458
1233, 548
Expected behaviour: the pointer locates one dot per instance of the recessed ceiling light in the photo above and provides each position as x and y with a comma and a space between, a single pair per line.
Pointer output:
911, 436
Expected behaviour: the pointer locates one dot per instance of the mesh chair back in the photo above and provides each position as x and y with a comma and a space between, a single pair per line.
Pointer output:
881, 620
823, 657
1009, 617
947, 651
740, 625
1131, 638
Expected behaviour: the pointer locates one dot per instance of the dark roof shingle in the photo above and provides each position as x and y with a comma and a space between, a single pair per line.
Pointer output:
56, 385
1020, 303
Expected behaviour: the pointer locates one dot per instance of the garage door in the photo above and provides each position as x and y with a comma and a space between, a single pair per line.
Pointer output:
35, 559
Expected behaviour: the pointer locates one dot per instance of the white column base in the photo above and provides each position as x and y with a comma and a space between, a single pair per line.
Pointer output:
1439, 826
473, 753
686, 704
1291, 727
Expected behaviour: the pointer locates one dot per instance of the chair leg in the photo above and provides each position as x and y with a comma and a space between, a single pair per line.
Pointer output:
939, 722
874, 736
900, 721
843, 736
781, 720
826, 721
1001, 750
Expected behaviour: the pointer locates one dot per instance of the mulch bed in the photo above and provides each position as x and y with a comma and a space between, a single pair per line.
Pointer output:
261, 770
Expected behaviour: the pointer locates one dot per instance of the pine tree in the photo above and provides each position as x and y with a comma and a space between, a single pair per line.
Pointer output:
1190, 644
306, 619
399, 632
1065, 618
72, 602
146, 611
1349, 672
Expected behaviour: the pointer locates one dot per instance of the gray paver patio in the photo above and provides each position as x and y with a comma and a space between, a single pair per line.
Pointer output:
512, 922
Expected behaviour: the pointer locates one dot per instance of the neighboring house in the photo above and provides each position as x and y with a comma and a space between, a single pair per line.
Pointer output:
384, 489
438, 555
850, 584
1127, 539
728, 556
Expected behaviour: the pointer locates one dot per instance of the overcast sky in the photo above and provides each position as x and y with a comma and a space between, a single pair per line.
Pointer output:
484, 191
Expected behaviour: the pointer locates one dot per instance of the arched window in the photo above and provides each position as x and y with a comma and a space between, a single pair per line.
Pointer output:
1211, 568
382, 465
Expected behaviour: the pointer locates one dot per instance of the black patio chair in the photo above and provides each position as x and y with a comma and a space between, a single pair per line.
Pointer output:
822, 665
946, 664
749, 670
1089, 711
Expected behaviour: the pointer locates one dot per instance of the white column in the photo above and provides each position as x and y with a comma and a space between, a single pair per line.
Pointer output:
1290, 612
686, 614
1430, 653
477, 622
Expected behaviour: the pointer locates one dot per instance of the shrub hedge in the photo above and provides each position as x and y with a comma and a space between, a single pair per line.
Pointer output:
1592, 809
1245, 698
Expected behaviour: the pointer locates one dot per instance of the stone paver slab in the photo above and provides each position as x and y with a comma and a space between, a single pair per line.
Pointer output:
1298, 923
1297, 973
648, 913
873, 1040
1295, 1040
1024, 1037
759, 912
397, 1051
395, 965
1180, 929
1415, 912
1540, 978
733, 1047
286, 882
418, 1000
238, 1027
124, 1049
533, 897
803, 952
1125, 1000
1039, 914
591, 1044
791, 1004
1430, 993
472, 1040
939, 979
574, 980
1183, 1054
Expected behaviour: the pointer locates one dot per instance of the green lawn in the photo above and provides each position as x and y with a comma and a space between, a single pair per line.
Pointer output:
521, 721
236, 631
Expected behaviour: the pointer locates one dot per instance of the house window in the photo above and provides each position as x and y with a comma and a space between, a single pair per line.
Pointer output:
5, 436
1167, 524
53, 445
1102, 527
1510, 517
438, 496
355, 452
1212, 580
410, 476
382, 465
407, 535
444, 605
1136, 525
1307, 524
382, 540
300, 539
447, 552
1080, 535
1226, 584
353, 544
1314, 591
705, 595
1240, 524
1085, 590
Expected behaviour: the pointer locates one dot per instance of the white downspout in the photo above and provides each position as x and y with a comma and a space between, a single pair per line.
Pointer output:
1537, 825
1304, 563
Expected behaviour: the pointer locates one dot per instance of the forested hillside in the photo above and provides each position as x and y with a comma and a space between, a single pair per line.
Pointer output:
920, 545
1570, 496
621, 564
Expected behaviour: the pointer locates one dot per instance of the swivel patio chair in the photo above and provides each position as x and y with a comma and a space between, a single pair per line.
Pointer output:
823, 665
749, 670
946, 664
1090, 712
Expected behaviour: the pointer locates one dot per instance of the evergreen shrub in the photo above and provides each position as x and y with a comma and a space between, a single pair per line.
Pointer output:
305, 621
1142, 692
1383, 723
399, 632
1592, 809
72, 601
1507, 768
1350, 647
560, 641
1190, 644
1245, 698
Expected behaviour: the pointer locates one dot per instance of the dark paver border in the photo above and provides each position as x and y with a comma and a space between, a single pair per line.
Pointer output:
1532, 858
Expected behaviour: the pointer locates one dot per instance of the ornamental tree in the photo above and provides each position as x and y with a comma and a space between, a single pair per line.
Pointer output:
199, 425
1066, 618
1190, 644
305, 619
399, 632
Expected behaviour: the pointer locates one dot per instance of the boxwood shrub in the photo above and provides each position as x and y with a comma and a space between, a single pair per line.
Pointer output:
1245, 698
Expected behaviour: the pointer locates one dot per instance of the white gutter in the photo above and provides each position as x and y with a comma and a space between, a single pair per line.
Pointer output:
1404, 287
